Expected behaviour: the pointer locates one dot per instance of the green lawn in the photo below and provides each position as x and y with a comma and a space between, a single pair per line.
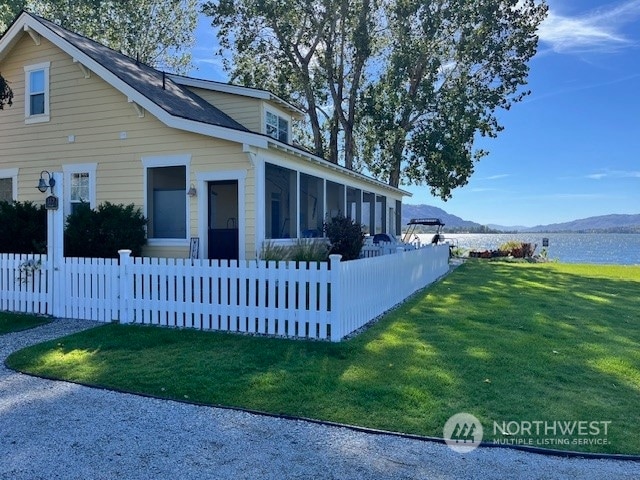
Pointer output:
13, 322
505, 342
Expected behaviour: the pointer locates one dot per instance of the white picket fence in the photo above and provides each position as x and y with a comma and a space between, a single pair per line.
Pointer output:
308, 300
24, 288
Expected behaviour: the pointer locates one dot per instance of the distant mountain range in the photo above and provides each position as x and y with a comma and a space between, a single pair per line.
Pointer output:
602, 223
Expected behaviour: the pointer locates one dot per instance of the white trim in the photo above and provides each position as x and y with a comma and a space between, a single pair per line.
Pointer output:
155, 161
11, 173
68, 170
34, 35
203, 228
260, 208
166, 161
279, 114
86, 73
28, 70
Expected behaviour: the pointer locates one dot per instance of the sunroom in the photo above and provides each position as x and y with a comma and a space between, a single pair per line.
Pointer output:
298, 203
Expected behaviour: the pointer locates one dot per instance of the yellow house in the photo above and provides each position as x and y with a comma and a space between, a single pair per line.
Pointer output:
202, 159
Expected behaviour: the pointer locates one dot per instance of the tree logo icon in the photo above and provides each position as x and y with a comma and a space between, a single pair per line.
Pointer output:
463, 432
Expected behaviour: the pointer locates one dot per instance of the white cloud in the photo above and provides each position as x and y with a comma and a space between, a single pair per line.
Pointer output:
481, 190
595, 31
498, 177
614, 174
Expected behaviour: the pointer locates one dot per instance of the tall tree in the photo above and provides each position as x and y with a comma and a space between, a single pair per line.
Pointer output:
452, 65
263, 34
437, 72
157, 32
349, 42
311, 52
8, 10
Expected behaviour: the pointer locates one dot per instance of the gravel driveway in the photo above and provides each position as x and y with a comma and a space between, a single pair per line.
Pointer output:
57, 430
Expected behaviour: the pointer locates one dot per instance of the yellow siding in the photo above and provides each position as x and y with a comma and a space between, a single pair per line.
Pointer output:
96, 114
246, 111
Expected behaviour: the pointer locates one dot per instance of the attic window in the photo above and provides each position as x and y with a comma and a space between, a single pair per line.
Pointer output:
36, 108
277, 127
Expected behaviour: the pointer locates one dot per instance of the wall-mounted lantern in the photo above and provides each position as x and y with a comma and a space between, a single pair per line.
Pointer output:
51, 202
192, 192
44, 185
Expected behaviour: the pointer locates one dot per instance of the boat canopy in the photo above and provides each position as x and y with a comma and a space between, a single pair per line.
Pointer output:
434, 222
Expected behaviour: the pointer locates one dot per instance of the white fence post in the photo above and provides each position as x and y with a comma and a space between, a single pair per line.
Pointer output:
336, 298
124, 287
55, 250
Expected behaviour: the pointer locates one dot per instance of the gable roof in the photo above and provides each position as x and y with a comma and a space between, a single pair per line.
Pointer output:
164, 96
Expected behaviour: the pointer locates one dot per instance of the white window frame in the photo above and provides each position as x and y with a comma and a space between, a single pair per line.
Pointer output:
278, 115
42, 117
168, 161
11, 173
68, 171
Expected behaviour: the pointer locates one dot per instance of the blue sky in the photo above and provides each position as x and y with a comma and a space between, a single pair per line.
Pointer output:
572, 148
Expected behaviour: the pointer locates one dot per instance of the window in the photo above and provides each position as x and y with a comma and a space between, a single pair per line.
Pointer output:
37, 93
354, 204
80, 183
280, 202
6, 190
166, 182
167, 202
8, 184
79, 189
368, 212
380, 209
335, 199
277, 127
311, 206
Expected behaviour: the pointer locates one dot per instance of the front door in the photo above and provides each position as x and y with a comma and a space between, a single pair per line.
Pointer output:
223, 220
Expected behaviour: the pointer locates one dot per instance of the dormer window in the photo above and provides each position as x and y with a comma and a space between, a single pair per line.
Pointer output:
36, 108
277, 127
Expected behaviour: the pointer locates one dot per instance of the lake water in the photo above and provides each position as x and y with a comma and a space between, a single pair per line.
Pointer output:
604, 248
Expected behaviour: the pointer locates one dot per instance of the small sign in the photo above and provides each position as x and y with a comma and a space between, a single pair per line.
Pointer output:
545, 242
51, 202
194, 248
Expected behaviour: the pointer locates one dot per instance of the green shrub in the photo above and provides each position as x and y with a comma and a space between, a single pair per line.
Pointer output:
307, 250
23, 228
273, 253
517, 249
6, 95
345, 236
102, 232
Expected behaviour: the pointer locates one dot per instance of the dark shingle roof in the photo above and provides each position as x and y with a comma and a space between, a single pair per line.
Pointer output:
173, 98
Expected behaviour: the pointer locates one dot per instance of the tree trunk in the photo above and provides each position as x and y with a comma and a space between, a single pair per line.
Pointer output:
396, 161
333, 138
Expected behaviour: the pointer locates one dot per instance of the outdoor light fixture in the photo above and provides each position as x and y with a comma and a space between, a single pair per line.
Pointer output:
43, 184
192, 192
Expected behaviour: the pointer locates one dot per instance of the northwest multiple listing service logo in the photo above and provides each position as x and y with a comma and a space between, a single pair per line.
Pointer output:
463, 432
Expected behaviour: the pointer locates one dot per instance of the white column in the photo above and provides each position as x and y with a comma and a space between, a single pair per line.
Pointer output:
55, 248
